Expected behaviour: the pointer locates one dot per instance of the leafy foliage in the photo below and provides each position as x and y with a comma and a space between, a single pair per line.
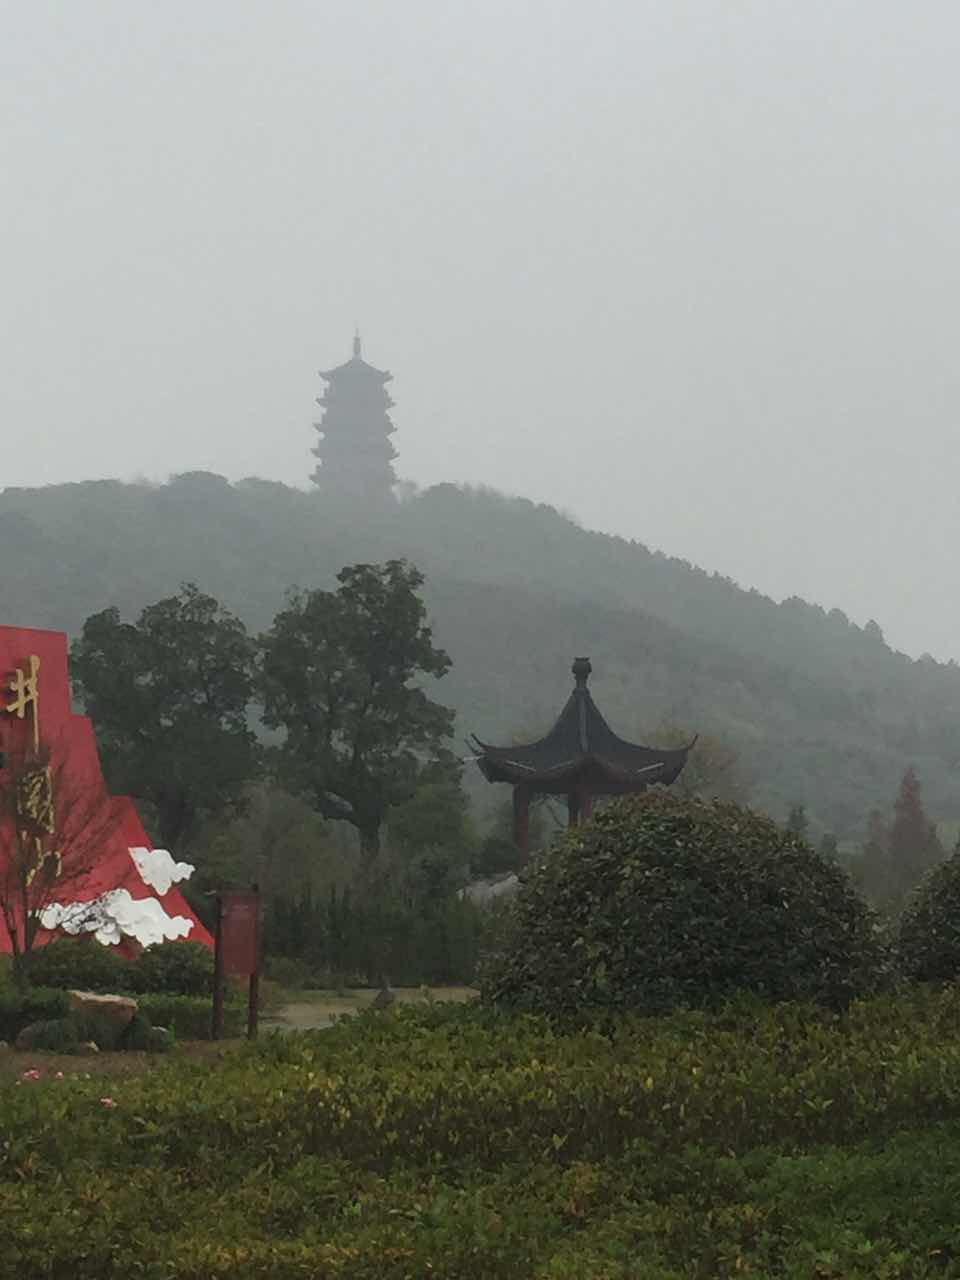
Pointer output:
339, 672
463, 1143
176, 968
928, 929
81, 963
667, 901
815, 706
37, 1004
169, 696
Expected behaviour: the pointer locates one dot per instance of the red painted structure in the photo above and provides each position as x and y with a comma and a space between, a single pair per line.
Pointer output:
70, 740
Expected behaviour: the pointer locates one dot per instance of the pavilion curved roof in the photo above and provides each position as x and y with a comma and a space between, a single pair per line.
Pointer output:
581, 745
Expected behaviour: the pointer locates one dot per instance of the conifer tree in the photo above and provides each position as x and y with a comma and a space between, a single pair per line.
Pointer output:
913, 846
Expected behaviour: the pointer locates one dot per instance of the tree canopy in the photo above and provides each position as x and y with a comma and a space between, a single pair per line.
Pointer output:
169, 696
340, 672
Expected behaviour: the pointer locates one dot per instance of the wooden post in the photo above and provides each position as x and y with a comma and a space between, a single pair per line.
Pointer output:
573, 807
216, 1022
253, 996
521, 819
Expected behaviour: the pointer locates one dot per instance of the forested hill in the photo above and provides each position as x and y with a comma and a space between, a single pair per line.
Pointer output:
821, 711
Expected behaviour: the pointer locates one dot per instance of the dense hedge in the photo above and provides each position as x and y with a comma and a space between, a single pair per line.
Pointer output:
665, 901
19, 1008
178, 968
465, 1142
927, 935
189, 1017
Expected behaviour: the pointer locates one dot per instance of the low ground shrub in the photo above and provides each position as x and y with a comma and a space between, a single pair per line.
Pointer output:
176, 968
189, 1017
464, 1142
78, 962
38, 1004
664, 901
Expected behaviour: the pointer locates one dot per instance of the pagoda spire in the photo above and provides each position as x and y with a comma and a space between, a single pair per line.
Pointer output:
355, 454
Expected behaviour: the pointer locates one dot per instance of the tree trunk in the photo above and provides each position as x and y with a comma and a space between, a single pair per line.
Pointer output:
370, 841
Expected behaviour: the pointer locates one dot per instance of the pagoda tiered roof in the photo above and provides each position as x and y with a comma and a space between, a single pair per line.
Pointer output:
356, 365
581, 747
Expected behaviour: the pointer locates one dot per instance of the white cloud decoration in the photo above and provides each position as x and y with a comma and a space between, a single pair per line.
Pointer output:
115, 915
158, 869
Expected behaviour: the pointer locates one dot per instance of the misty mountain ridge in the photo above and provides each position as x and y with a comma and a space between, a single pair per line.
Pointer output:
821, 711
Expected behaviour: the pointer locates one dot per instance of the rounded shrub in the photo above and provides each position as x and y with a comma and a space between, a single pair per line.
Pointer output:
176, 968
927, 935
80, 963
664, 901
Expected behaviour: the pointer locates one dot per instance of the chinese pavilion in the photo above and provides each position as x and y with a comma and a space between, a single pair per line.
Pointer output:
580, 758
355, 452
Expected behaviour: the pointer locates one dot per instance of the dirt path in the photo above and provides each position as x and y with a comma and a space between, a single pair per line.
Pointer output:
314, 1010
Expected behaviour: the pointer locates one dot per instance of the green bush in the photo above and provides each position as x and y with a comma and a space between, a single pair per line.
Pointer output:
927, 934
176, 968
38, 1004
288, 972
189, 1017
665, 901
81, 963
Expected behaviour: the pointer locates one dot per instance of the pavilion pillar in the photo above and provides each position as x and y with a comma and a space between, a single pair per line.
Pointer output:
573, 807
579, 805
521, 818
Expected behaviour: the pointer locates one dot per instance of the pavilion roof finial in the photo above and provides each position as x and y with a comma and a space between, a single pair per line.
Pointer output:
356, 341
581, 670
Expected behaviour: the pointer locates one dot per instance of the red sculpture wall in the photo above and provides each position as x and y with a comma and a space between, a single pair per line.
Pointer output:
70, 742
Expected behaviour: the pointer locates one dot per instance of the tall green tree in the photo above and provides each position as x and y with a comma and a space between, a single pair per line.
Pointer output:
168, 696
913, 845
340, 678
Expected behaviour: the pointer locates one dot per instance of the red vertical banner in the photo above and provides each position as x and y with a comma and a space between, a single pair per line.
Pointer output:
240, 909
237, 952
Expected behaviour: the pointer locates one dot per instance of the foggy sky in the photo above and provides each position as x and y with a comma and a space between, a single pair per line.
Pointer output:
686, 269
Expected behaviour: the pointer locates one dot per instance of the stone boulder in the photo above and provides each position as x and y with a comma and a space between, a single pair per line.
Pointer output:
115, 1012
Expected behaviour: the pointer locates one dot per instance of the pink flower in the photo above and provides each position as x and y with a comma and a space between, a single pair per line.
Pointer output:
107, 1102
58, 1075
32, 1074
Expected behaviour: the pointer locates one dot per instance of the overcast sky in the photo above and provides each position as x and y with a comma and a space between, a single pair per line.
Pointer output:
687, 269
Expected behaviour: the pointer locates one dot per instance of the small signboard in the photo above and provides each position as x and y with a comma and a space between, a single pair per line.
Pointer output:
237, 952
239, 910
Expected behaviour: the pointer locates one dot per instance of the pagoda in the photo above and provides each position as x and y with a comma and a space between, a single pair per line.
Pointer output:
580, 758
355, 452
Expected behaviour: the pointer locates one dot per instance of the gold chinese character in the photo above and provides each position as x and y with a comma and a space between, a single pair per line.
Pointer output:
49, 865
26, 694
35, 799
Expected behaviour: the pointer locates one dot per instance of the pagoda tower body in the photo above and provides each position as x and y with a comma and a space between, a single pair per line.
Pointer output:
355, 454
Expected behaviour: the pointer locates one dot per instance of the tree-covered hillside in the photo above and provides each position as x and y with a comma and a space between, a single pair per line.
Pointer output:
821, 711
